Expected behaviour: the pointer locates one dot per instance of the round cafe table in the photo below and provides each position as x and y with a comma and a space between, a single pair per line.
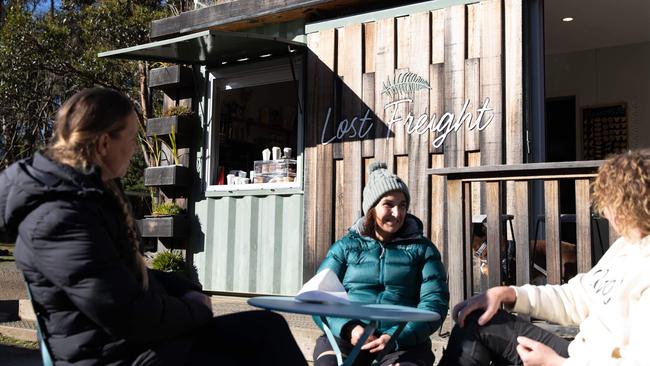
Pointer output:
373, 313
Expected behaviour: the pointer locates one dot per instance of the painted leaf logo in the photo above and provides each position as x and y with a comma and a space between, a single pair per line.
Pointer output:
404, 84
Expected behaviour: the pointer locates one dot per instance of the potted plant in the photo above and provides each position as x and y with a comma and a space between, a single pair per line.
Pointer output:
176, 81
168, 261
179, 121
167, 220
167, 177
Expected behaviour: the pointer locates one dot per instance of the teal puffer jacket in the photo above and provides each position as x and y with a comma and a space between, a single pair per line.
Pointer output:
405, 271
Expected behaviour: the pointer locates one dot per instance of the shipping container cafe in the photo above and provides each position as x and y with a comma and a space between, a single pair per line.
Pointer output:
497, 113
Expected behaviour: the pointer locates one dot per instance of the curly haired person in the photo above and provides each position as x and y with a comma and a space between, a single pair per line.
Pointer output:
610, 303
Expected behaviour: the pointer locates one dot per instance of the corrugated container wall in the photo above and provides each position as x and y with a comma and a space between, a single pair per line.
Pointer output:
253, 244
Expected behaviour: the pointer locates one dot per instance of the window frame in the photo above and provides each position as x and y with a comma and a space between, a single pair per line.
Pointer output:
249, 75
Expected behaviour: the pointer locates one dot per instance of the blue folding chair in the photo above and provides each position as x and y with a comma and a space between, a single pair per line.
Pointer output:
45, 352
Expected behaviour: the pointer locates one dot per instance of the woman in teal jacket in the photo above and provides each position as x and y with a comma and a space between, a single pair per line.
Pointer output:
385, 258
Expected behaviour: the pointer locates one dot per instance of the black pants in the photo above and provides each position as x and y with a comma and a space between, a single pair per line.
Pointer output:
496, 341
251, 338
421, 355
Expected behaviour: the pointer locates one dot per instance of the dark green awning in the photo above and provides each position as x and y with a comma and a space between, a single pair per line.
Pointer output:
207, 48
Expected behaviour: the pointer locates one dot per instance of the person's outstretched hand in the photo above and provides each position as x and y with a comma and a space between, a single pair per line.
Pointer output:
534, 353
490, 301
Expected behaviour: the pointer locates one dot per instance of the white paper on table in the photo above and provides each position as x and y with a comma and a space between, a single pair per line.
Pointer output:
325, 287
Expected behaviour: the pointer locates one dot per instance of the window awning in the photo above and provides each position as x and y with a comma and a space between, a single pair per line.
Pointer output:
209, 47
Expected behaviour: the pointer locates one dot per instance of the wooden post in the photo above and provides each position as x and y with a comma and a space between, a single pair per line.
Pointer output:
456, 240
552, 213
467, 243
493, 192
583, 225
522, 233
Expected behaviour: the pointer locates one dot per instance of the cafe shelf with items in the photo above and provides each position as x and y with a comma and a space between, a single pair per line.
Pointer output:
274, 171
257, 137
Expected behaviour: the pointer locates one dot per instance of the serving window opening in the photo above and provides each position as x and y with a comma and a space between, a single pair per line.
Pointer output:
257, 132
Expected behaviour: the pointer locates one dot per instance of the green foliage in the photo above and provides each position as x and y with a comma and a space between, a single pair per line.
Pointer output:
178, 110
173, 147
165, 208
152, 147
47, 57
12, 342
134, 178
168, 261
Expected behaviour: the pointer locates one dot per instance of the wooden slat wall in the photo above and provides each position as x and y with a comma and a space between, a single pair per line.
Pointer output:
458, 50
384, 69
455, 80
418, 145
492, 80
351, 71
319, 164
513, 102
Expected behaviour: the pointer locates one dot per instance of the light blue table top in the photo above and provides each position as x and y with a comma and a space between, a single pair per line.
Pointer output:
380, 312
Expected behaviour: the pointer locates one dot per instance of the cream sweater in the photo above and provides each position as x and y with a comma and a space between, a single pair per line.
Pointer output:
611, 303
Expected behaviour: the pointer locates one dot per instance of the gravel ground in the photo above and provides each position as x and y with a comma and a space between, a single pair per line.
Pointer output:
12, 286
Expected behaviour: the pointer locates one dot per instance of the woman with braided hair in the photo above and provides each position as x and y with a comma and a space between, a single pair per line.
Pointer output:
79, 251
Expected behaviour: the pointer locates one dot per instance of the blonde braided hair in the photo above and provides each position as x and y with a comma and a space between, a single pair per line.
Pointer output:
78, 125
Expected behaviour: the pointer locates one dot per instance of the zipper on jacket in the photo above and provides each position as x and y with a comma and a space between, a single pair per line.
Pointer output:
381, 272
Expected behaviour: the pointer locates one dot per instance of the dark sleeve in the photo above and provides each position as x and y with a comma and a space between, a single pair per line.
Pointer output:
75, 252
175, 284
434, 296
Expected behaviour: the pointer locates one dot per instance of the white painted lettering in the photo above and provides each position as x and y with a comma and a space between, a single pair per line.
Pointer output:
447, 123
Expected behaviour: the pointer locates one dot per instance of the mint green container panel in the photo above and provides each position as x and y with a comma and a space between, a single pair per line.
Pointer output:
251, 244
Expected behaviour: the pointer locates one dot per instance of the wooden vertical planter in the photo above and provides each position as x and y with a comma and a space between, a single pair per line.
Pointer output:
176, 81
183, 127
173, 180
168, 175
173, 226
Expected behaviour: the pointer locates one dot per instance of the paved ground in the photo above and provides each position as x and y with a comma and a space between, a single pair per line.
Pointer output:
13, 288
11, 282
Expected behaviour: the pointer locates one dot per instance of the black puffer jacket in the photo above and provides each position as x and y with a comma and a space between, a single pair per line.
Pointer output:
72, 247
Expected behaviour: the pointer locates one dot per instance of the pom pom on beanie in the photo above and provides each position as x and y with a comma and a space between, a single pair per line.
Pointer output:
380, 182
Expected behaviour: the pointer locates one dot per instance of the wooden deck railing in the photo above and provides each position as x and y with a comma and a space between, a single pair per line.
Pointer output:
517, 180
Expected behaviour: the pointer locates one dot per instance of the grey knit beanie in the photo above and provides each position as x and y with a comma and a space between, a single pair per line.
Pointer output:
380, 182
